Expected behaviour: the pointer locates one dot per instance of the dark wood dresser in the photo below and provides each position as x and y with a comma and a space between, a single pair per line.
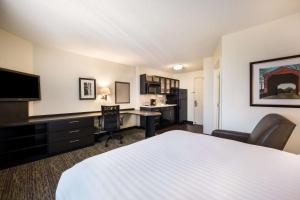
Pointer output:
26, 141
65, 135
43, 136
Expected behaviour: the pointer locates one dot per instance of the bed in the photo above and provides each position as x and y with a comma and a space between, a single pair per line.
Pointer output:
183, 165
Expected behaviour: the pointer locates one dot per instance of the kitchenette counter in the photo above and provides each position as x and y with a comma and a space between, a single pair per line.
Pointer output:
160, 106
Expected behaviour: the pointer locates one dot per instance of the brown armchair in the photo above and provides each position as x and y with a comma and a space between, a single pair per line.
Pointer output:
272, 131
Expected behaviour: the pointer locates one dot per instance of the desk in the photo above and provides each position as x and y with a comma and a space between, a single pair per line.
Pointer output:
149, 116
42, 136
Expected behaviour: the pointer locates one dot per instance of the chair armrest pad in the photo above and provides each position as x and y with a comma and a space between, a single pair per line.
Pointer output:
232, 135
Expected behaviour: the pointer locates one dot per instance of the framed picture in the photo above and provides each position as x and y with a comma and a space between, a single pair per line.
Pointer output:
122, 92
87, 89
275, 82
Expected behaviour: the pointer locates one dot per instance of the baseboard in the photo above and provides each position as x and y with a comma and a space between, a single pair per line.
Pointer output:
188, 122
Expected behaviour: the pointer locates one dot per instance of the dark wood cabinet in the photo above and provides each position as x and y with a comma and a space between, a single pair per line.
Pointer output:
172, 82
156, 84
166, 119
143, 84
167, 116
162, 85
149, 84
71, 143
20, 143
26, 141
177, 85
168, 86
65, 135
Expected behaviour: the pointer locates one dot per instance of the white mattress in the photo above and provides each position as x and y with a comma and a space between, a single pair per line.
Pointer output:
179, 165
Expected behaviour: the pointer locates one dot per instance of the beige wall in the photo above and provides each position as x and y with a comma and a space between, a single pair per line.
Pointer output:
272, 40
15, 53
60, 72
208, 99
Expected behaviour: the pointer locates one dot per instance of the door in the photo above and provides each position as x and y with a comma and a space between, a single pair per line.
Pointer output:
198, 100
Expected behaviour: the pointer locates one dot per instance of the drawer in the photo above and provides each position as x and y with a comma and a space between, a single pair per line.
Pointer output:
155, 109
67, 145
145, 109
70, 124
167, 109
69, 134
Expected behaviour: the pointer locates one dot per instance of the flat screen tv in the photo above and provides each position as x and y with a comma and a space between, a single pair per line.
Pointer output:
19, 86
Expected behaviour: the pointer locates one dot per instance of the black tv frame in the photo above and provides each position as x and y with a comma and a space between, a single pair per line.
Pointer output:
22, 99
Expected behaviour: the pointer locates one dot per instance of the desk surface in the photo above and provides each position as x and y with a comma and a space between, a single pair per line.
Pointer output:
36, 120
95, 114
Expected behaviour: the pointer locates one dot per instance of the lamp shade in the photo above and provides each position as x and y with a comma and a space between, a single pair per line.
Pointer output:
103, 90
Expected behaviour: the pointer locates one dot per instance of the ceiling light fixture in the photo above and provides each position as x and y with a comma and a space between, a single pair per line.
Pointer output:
178, 67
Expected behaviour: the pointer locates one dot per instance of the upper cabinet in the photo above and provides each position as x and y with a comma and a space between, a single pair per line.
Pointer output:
168, 86
176, 83
162, 85
157, 84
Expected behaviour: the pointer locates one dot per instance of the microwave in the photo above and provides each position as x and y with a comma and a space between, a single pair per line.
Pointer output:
152, 89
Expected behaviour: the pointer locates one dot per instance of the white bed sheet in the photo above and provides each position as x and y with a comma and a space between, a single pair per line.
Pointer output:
182, 165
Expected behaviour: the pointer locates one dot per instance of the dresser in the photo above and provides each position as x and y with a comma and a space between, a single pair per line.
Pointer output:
65, 135
26, 141
43, 136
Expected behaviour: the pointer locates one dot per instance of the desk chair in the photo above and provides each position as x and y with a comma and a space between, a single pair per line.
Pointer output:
110, 121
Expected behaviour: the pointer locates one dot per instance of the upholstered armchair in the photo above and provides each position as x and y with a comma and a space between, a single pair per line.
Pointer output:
272, 131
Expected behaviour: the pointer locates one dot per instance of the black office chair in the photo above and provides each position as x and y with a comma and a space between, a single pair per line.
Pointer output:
110, 122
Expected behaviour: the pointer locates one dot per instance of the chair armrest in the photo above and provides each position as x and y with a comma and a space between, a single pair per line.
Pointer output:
232, 135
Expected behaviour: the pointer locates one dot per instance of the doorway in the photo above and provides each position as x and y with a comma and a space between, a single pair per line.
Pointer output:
198, 100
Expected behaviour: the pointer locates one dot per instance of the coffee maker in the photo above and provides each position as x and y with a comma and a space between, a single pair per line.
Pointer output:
153, 102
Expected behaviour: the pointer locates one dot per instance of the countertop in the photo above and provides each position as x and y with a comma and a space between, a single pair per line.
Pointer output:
160, 106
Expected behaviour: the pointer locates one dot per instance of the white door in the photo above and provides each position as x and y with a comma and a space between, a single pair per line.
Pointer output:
198, 100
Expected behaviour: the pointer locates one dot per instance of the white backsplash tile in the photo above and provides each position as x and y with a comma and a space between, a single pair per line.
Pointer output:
145, 99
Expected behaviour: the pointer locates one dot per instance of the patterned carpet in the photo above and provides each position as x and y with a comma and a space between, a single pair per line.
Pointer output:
38, 180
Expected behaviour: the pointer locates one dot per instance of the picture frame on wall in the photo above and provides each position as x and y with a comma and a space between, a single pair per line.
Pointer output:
275, 82
122, 92
87, 89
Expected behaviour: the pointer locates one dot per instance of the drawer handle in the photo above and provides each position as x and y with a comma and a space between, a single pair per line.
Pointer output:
75, 131
73, 122
73, 141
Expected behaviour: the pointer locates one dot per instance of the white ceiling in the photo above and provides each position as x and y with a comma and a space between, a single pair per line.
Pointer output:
150, 33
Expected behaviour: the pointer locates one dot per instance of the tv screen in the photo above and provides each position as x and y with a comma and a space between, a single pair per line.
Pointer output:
18, 86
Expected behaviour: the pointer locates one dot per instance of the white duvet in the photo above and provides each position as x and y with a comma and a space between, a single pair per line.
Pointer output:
180, 165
